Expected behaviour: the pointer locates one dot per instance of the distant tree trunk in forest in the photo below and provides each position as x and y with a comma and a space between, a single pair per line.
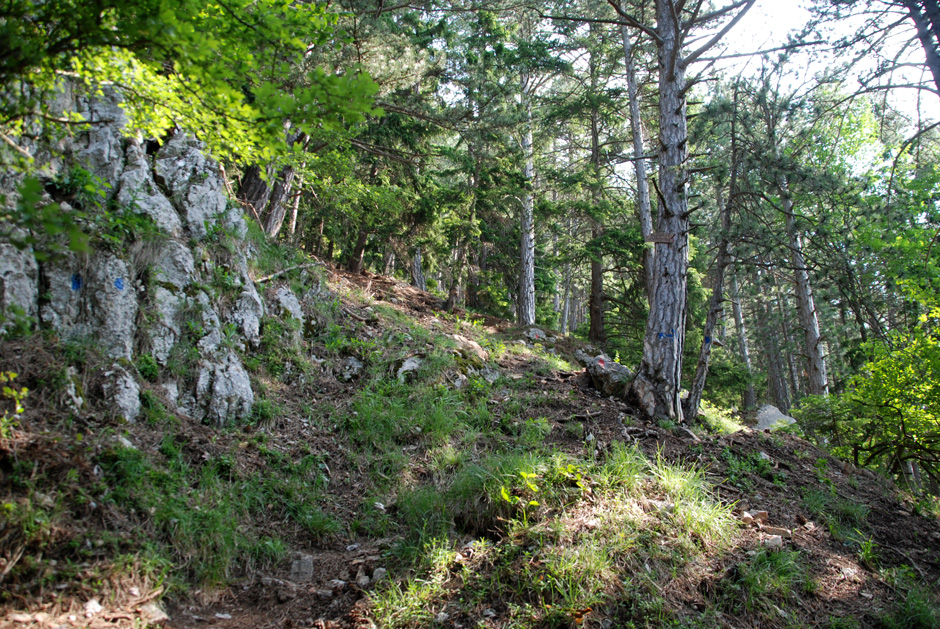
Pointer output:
295, 211
273, 217
417, 271
454, 292
716, 303
657, 384
750, 399
388, 261
354, 262
526, 302
596, 331
792, 369
817, 382
254, 191
473, 283
776, 380
644, 206
318, 237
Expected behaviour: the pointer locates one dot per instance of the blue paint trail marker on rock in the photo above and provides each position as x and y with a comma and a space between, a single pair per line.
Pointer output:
119, 283
77, 281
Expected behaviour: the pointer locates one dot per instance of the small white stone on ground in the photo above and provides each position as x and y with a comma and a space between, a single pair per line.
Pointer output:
774, 541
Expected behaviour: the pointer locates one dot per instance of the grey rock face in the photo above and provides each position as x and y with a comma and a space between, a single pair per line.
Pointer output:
121, 390
196, 187
769, 416
174, 265
137, 191
19, 281
63, 285
223, 391
112, 304
100, 148
165, 330
247, 314
210, 324
96, 299
287, 304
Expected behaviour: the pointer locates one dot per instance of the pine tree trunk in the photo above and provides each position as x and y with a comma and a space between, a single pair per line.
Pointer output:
817, 382
254, 192
473, 282
274, 214
354, 263
295, 210
526, 304
454, 292
657, 384
318, 247
596, 331
388, 261
750, 399
417, 271
928, 31
776, 380
644, 206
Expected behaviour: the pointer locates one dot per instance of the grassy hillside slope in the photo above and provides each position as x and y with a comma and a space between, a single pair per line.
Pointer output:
405, 467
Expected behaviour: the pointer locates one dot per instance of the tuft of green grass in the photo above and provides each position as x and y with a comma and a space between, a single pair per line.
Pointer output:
718, 419
846, 519
764, 583
198, 514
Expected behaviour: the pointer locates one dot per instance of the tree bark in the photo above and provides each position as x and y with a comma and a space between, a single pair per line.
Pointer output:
817, 383
417, 271
354, 262
388, 262
254, 191
927, 21
644, 206
526, 303
776, 380
295, 210
596, 332
454, 292
750, 399
657, 383
276, 210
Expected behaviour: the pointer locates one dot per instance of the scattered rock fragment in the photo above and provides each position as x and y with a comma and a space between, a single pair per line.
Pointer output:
352, 368
773, 530
153, 614
409, 366
535, 335
301, 569
92, 607
774, 541
760, 516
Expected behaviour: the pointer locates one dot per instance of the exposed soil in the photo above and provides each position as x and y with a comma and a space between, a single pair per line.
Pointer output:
846, 587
